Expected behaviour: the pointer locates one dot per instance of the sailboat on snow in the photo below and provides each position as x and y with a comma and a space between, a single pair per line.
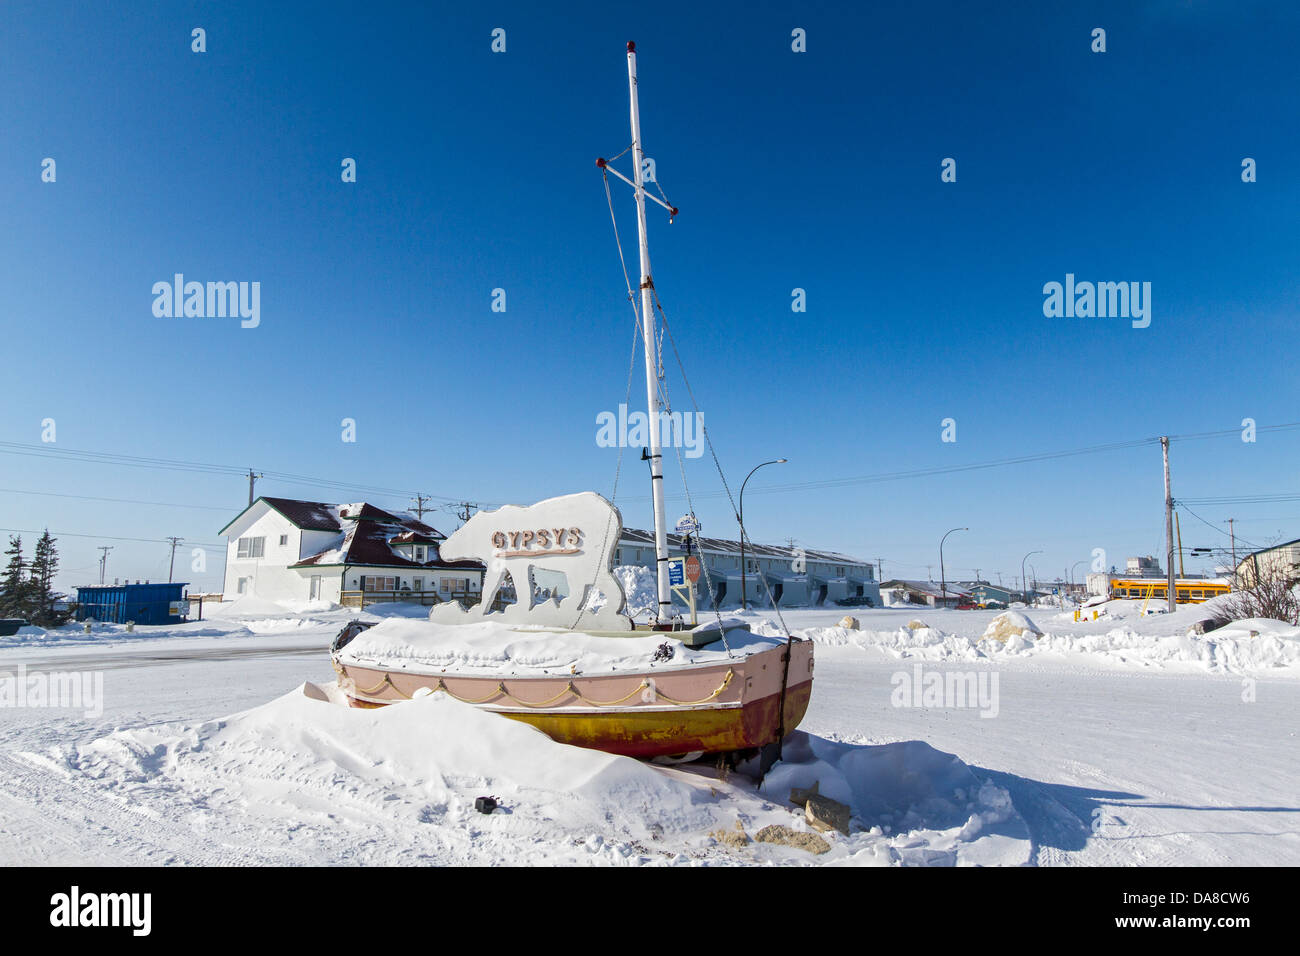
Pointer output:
577, 667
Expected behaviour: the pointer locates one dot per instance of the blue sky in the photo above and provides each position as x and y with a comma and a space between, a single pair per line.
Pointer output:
816, 170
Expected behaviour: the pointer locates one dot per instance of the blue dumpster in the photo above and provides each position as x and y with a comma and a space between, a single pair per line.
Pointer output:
141, 603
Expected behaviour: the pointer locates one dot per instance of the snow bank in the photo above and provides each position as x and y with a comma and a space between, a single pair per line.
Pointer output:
301, 779
918, 805
1274, 649
1010, 624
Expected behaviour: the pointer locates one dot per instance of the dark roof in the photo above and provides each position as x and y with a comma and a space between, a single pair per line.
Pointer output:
369, 538
925, 587
308, 515
727, 546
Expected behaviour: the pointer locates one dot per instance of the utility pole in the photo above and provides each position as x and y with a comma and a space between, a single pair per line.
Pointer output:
420, 509
172, 565
1178, 530
466, 511
252, 480
1232, 536
880, 569
103, 562
1169, 529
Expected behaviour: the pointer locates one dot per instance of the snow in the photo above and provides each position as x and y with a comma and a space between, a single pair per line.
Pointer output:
1125, 741
494, 647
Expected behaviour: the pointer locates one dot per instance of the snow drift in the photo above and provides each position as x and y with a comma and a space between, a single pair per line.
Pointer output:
306, 779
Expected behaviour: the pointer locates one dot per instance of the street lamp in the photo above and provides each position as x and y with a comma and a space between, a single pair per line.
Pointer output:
1073, 566
1024, 584
740, 518
943, 580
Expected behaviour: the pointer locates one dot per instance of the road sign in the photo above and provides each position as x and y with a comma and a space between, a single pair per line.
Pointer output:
676, 576
687, 524
693, 569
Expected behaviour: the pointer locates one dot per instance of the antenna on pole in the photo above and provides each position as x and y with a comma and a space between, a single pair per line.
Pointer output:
252, 481
172, 566
103, 562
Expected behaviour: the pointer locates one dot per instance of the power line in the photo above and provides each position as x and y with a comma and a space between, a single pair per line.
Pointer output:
124, 501
172, 464
993, 463
109, 537
1183, 505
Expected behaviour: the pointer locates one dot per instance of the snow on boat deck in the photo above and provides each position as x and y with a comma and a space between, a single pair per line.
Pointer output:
491, 648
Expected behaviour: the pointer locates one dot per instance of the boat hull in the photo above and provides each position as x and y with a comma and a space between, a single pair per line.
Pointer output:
705, 708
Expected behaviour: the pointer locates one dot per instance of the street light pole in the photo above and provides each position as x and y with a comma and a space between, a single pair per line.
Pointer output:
943, 579
1024, 584
740, 518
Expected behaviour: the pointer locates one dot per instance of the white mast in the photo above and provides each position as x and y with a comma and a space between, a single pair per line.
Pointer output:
651, 353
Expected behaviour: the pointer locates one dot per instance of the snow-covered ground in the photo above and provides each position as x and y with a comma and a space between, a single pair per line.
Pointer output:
1121, 741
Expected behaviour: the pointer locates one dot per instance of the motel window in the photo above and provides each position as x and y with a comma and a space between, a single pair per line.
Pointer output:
252, 547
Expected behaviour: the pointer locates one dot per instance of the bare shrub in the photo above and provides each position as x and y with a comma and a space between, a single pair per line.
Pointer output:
1272, 595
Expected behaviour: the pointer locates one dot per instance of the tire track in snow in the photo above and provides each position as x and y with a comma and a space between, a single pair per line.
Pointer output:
95, 827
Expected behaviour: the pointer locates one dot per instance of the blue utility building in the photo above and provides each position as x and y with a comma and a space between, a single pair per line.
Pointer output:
141, 603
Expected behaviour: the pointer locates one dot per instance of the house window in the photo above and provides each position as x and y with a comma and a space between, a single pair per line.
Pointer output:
284, 540
379, 583
242, 586
252, 547
421, 553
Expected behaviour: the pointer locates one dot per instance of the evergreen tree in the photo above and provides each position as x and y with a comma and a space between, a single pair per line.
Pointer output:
42, 597
14, 587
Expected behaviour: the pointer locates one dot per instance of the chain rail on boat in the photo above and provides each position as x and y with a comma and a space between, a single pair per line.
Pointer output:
570, 688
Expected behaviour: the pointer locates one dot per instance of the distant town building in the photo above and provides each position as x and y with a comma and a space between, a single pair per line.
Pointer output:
984, 592
282, 549
797, 577
1279, 559
922, 592
1144, 567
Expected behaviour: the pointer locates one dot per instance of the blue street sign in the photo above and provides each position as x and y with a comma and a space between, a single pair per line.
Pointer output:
676, 574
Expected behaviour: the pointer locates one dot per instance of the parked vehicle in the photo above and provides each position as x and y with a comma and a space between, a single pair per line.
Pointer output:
968, 606
10, 625
856, 602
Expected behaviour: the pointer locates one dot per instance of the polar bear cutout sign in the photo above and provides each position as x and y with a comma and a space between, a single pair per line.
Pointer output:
572, 534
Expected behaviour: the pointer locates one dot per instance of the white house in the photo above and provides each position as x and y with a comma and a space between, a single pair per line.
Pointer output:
282, 549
